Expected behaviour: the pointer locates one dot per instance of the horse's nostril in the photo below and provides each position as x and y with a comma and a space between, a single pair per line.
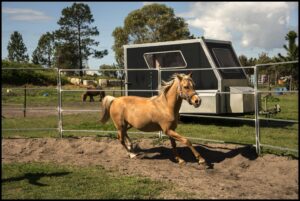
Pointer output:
198, 101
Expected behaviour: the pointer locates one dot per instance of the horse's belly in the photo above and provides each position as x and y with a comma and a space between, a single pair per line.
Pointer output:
144, 124
148, 127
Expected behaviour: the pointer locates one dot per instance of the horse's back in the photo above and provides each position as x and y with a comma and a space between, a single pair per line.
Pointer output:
126, 102
139, 112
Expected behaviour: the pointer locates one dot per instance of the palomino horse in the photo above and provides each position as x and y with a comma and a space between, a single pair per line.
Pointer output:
93, 93
158, 113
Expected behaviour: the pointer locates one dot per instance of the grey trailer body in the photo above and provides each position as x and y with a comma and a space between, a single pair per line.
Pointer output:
190, 54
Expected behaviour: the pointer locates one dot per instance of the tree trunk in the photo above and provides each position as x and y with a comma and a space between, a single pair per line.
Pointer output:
79, 49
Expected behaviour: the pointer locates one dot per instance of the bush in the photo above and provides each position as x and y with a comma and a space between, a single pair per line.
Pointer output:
23, 76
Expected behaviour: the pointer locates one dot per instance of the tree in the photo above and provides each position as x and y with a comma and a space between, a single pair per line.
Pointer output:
112, 74
151, 23
75, 32
292, 48
36, 56
66, 56
44, 53
121, 38
292, 55
263, 58
247, 62
16, 48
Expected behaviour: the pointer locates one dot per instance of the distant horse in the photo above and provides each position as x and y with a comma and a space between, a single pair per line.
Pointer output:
158, 113
91, 93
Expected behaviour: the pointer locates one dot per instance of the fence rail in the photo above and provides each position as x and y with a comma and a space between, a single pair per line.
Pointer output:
60, 110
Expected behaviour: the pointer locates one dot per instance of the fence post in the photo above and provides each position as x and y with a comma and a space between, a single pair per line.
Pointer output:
59, 102
25, 96
256, 104
160, 134
121, 81
159, 78
159, 86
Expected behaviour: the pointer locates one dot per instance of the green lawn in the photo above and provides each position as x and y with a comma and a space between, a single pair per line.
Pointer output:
51, 181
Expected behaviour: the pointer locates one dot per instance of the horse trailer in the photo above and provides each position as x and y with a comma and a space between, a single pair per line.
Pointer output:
153, 62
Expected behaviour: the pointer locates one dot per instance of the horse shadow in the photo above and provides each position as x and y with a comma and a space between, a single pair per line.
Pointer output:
210, 154
33, 178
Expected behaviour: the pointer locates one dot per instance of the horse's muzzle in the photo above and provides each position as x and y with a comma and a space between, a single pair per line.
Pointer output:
197, 101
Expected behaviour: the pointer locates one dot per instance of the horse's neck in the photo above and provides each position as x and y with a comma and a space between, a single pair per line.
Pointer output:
173, 101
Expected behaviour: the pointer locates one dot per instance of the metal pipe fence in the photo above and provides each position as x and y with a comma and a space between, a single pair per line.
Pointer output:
255, 92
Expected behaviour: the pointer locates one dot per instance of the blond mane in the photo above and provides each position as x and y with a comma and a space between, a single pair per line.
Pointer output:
167, 85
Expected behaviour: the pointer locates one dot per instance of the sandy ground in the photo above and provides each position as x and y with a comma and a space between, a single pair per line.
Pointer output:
236, 171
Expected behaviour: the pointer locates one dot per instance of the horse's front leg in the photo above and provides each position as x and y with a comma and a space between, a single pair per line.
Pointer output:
177, 157
186, 142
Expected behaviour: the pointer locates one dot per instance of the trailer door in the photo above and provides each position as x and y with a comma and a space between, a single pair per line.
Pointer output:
164, 60
141, 83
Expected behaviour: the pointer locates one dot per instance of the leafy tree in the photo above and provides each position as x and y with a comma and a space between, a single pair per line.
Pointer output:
292, 48
75, 32
121, 38
36, 56
247, 62
16, 48
270, 71
66, 56
263, 58
112, 74
151, 23
44, 53
292, 55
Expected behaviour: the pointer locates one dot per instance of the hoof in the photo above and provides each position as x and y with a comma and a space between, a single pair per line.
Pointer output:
181, 162
201, 162
132, 155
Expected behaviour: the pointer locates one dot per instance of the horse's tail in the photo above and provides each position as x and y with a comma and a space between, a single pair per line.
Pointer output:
105, 108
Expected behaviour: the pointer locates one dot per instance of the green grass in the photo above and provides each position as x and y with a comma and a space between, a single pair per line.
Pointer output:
38, 98
288, 104
51, 181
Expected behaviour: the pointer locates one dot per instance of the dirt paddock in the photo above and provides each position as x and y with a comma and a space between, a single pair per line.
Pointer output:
236, 171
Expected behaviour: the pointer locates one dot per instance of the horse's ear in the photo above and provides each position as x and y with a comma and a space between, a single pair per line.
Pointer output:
190, 74
179, 76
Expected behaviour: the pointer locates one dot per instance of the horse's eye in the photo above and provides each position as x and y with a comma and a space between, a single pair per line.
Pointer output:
186, 87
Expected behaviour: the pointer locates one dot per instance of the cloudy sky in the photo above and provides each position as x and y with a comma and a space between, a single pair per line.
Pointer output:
253, 27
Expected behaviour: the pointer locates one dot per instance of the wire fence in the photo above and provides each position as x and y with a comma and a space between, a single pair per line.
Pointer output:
59, 109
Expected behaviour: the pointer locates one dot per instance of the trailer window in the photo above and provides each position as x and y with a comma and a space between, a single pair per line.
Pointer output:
225, 59
168, 59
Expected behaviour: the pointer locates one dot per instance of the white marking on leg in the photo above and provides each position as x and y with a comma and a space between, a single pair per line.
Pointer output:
201, 161
132, 155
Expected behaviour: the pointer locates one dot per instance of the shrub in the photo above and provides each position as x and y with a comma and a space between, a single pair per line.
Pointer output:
23, 76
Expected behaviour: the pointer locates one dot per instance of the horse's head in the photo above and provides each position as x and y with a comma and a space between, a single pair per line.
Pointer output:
186, 90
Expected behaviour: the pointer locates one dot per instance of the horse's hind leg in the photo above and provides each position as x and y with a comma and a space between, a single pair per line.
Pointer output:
125, 141
129, 143
177, 157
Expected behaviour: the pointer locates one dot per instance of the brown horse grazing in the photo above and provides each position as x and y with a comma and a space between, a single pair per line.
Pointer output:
158, 113
93, 93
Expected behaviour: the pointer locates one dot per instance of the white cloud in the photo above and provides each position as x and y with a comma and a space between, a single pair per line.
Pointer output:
149, 3
21, 14
251, 24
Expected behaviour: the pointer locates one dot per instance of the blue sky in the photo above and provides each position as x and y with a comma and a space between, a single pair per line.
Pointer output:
253, 27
